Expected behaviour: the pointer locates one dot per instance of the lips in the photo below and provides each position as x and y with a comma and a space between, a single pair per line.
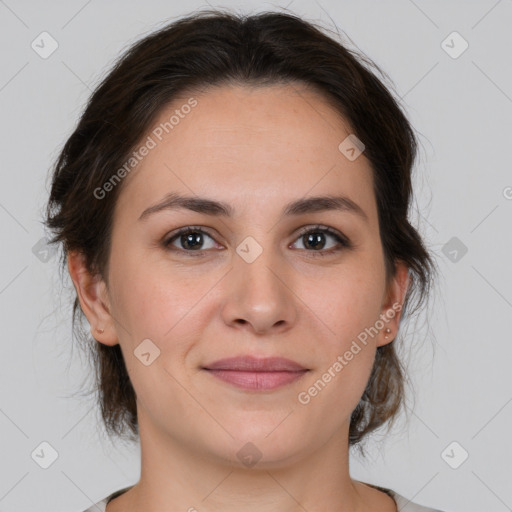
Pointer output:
256, 374
253, 364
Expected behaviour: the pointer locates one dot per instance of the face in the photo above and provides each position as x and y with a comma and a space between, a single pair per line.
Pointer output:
262, 281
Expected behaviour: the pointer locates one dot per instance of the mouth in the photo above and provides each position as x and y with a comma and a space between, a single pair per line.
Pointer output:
256, 374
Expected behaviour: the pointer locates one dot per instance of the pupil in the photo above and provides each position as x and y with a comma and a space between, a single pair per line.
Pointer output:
191, 238
314, 239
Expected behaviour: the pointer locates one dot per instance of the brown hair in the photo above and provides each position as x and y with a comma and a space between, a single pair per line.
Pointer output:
210, 48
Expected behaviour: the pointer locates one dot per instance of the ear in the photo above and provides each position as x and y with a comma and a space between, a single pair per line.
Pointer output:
92, 294
393, 303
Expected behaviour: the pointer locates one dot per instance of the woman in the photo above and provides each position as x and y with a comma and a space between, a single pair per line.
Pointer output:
233, 211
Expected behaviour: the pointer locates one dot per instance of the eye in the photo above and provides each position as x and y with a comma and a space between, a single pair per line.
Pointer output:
315, 237
191, 239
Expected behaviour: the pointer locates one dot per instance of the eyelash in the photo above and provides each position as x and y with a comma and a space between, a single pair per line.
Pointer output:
342, 240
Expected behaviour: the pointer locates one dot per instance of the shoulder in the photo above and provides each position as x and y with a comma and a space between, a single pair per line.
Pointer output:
102, 505
405, 505
98, 507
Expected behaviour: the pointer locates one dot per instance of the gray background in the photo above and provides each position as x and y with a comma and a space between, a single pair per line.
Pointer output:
458, 354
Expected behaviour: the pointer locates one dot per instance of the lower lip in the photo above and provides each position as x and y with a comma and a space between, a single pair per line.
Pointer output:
257, 381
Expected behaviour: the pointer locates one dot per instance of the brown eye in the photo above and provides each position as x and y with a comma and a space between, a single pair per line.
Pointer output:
315, 240
190, 239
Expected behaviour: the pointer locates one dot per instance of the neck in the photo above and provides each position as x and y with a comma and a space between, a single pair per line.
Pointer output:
176, 475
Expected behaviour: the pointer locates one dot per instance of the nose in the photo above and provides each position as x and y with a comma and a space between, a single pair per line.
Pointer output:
259, 294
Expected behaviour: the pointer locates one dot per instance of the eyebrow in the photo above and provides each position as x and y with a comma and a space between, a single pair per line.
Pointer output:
174, 201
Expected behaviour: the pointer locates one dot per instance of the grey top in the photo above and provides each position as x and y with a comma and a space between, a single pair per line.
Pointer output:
403, 504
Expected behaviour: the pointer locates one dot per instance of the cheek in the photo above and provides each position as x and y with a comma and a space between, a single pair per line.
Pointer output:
151, 305
347, 303
156, 300
348, 306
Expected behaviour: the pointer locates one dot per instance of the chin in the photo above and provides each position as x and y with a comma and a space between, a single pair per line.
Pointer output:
264, 444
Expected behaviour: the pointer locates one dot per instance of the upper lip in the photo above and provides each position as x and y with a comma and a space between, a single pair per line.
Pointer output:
255, 364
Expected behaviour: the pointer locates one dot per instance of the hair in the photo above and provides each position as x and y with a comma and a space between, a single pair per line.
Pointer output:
216, 48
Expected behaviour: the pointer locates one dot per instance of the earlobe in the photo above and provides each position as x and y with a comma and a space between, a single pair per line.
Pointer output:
393, 305
92, 294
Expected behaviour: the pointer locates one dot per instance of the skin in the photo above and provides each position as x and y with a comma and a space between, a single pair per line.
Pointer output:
256, 149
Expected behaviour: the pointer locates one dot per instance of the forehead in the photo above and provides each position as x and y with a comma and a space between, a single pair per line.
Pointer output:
248, 146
